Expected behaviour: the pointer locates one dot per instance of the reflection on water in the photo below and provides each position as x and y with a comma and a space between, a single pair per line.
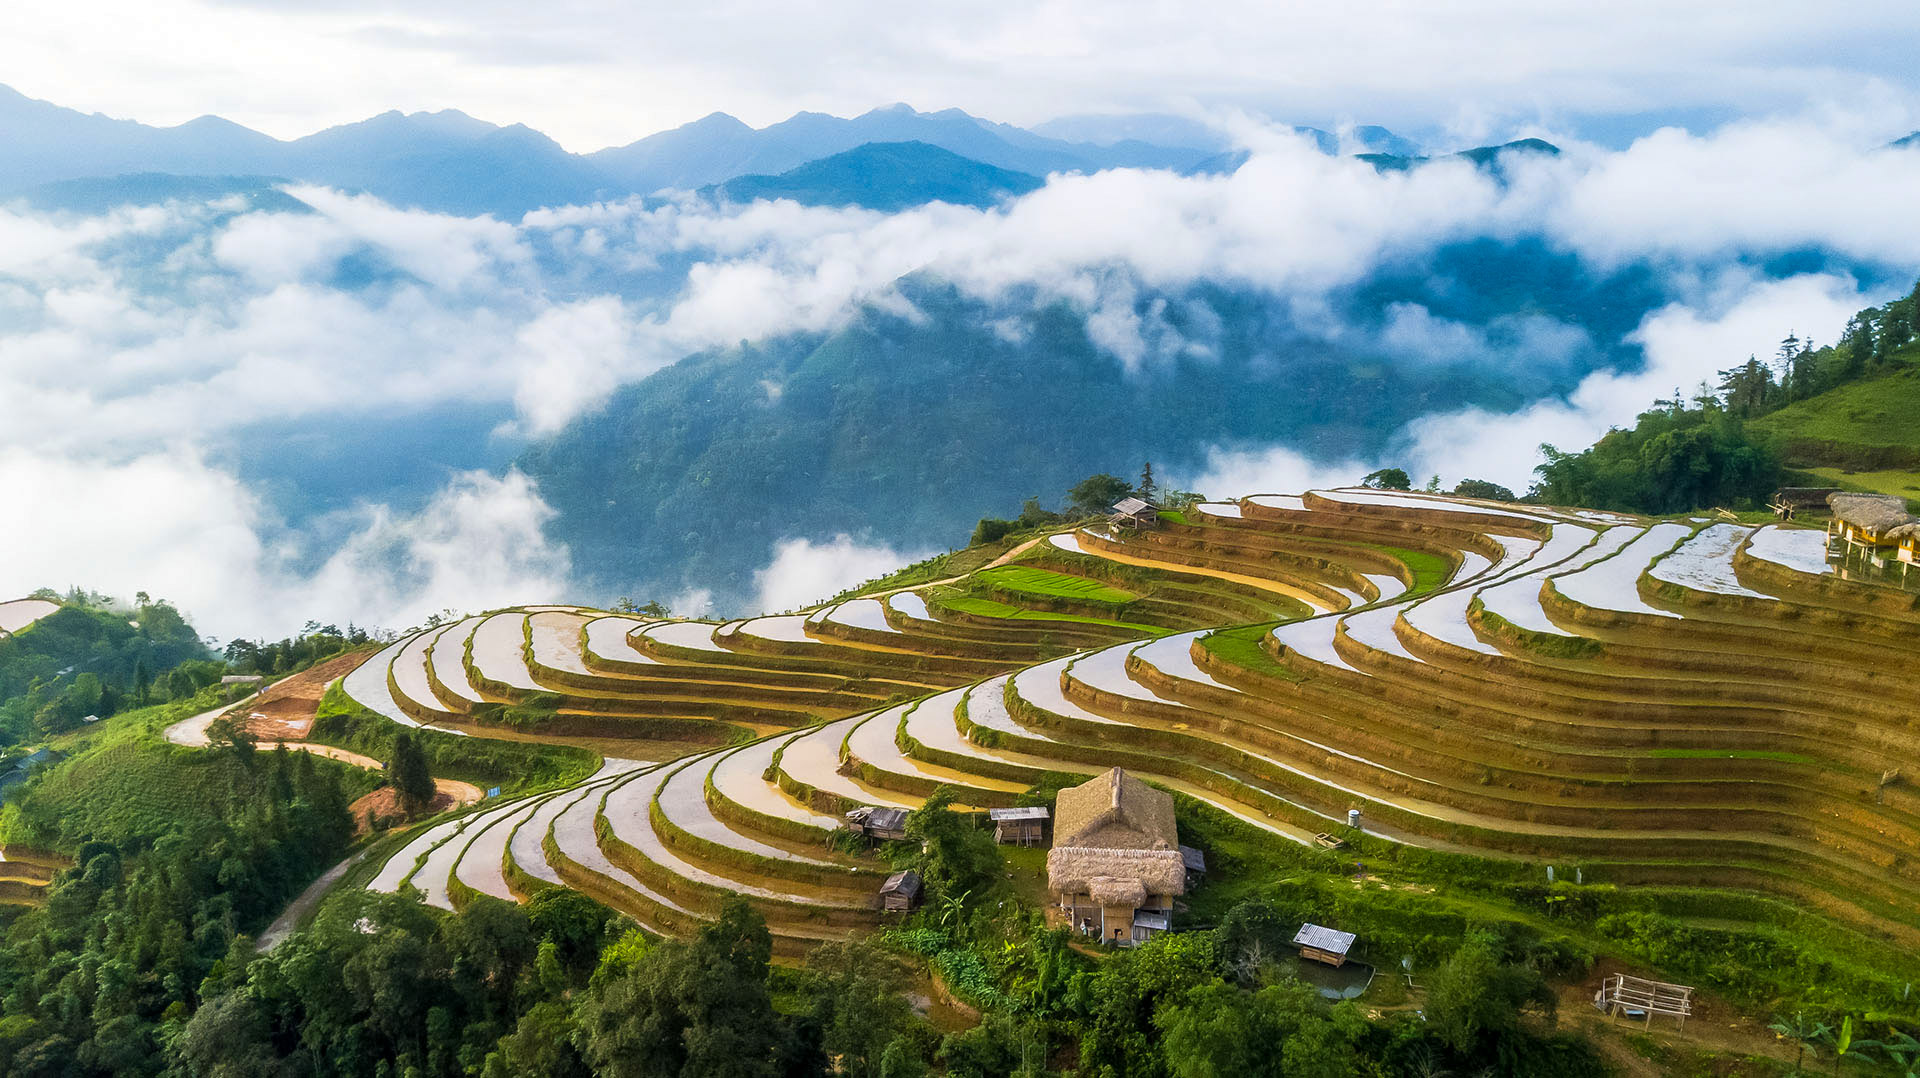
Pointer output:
1335, 984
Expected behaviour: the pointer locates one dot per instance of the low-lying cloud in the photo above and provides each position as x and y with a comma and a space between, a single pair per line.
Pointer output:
140, 344
804, 572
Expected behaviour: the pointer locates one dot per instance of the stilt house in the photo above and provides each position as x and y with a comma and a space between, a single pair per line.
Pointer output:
1019, 826
1134, 514
1873, 527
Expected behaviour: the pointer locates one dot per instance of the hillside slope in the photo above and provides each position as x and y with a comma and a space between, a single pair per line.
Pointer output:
1863, 435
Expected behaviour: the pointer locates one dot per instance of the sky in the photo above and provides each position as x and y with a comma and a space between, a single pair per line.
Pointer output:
594, 74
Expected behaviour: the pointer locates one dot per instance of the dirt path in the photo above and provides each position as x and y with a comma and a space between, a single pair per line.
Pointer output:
290, 918
1714, 1027
447, 794
994, 564
329, 751
280, 712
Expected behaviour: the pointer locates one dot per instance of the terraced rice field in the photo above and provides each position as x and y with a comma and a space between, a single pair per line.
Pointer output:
17, 614
1647, 702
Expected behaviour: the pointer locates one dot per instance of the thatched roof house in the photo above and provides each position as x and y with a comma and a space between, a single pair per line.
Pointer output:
1115, 855
1869, 517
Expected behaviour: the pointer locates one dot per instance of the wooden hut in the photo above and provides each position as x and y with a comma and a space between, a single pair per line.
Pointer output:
1115, 866
1195, 863
1791, 502
1325, 945
1866, 523
901, 892
878, 824
1134, 514
1019, 826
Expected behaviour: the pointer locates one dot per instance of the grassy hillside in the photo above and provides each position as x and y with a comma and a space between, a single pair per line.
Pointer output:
1863, 435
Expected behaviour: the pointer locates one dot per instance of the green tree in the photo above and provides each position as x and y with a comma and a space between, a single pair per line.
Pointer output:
1096, 495
408, 775
1484, 490
1476, 998
695, 1010
956, 857
1283, 1031
1388, 479
859, 1006
541, 1043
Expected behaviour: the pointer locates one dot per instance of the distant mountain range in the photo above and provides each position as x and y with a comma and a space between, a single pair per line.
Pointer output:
451, 162
886, 176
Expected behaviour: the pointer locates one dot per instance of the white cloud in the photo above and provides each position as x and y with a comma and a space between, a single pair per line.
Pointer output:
574, 355
171, 524
109, 350
1236, 473
1684, 346
804, 572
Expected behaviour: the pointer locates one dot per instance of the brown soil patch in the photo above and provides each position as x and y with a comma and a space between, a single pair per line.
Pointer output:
1714, 1027
384, 802
284, 712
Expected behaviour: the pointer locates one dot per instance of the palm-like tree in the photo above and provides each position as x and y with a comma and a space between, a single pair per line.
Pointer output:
1803, 1031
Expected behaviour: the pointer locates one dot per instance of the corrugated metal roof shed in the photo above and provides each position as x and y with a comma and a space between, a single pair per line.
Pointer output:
1325, 939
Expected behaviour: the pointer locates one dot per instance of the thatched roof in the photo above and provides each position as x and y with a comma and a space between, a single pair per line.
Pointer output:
1115, 810
1905, 531
1117, 891
1119, 828
1871, 513
1077, 869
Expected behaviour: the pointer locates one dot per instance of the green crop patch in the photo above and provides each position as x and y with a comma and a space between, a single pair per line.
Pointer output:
988, 608
1036, 581
1241, 647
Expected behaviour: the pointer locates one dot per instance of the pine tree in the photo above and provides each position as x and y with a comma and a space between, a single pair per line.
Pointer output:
408, 775
1146, 481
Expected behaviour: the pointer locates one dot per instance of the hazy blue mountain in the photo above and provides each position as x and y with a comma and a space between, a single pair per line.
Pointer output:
887, 176
1910, 140
447, 161
46, 143
1483, 156
719, 147
98, 194
1157, 128
910, 429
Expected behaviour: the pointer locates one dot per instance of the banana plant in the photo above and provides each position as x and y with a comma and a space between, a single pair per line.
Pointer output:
1904, 1051
1803, 1031
1845, 1044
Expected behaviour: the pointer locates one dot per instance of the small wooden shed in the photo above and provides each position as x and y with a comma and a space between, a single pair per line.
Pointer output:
1019, 826
879, 824
1195, 863
1134, 514
1325, 945
901, 892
